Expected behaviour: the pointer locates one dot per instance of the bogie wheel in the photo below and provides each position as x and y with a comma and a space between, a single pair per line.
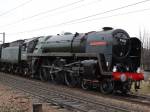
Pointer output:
107, 86
126, 87
44, 70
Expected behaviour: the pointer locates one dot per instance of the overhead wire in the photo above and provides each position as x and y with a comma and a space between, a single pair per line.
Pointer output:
11, 10
42, 13
126, 13
90, 16
21, 20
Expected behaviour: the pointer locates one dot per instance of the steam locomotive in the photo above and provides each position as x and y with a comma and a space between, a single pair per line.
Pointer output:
108, 60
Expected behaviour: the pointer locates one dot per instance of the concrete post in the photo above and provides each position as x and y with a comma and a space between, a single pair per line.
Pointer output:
37, 107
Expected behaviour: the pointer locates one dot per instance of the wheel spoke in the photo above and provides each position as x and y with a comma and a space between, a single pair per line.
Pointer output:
56, 72
71, 80
44, 72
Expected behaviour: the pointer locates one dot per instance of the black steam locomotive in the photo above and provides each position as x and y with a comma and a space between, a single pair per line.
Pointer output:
108, 60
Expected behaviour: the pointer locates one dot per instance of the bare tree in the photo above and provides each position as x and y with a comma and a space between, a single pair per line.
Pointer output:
144, 36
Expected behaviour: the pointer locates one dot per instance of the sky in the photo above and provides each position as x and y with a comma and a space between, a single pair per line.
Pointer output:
22, 19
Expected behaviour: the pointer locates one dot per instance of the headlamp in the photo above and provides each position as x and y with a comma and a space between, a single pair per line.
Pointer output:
138, 70
114, 69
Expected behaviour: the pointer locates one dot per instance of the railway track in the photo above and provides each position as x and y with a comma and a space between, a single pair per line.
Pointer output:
59, 96
137, 98
131, 97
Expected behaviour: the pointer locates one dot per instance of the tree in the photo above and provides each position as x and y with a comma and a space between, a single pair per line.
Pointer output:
144, 36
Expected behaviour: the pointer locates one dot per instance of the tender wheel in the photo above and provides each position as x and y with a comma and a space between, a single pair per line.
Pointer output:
107, 86
44, 70
10, 68
26, 71
71, 80
16, 70
3, 68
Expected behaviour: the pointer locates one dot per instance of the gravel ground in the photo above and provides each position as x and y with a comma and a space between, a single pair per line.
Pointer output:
16, 101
